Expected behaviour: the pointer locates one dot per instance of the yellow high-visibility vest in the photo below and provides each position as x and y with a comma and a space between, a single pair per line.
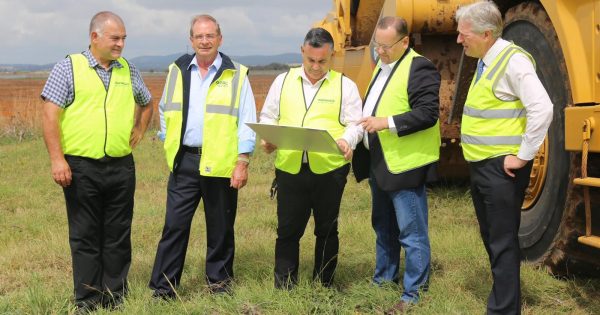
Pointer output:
220, 130
411, 151
490, 126
323, 113
99, 122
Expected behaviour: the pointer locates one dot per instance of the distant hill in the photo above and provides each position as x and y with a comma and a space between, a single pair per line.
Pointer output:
25, 67
161, 63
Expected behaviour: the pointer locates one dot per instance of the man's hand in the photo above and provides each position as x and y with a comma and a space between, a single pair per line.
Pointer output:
136, 136
60, 169
267, 147
61, 172
240, 175
511, 163
373, 124
142, 118
346, 150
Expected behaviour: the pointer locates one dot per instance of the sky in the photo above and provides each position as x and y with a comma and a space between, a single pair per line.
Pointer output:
45, 31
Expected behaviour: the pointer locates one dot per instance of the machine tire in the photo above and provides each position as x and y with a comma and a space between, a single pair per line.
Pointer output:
528, 26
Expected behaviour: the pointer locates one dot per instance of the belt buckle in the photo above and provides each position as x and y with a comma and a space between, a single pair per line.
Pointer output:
106, 159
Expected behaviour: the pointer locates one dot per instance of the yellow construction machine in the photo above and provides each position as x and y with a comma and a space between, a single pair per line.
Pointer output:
560, 218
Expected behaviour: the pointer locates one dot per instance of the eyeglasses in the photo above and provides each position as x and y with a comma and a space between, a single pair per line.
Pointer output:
208, 37
376, 45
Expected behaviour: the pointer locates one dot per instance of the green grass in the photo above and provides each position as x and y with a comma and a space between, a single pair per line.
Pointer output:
35, 264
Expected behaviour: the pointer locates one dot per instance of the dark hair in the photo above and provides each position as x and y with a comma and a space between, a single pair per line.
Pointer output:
317, 37
399, 24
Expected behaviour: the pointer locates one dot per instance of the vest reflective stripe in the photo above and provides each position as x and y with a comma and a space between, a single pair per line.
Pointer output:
490, 126
220, 139
172, 80
494, 140
323, 113
412, 151
218, 109
172, 113
498, 113
99, 122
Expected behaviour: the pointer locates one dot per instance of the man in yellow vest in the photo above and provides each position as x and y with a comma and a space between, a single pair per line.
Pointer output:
206, 102
400, 154
91, 124
311, 96
505, 119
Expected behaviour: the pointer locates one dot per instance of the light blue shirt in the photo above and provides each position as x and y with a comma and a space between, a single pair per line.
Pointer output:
195, 120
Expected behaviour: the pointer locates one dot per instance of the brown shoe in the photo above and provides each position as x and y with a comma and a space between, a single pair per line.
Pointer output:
399, 308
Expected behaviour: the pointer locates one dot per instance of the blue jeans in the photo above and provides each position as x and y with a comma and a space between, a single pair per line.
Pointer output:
399, 219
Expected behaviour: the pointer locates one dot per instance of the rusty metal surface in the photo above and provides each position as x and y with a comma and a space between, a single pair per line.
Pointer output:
568, 256
445, 54
363, 23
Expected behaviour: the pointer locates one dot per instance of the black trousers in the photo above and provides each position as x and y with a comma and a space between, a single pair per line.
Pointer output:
497, 198
296, 196
184, 191
99, 210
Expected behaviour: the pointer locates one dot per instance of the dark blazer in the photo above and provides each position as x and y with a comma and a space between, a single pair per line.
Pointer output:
423, 98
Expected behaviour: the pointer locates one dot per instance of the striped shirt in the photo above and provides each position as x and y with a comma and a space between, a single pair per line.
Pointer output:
59, 87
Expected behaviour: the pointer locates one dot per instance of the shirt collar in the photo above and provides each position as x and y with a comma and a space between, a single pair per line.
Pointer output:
495, 50
302, 75
388, 67
216, 64
94, 63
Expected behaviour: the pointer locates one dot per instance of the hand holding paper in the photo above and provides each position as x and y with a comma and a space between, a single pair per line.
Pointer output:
345, 148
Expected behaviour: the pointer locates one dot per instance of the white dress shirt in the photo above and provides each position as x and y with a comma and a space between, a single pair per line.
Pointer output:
349, 115
376, 89
521, 82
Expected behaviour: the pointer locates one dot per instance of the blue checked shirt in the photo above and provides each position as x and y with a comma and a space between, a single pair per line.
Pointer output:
59, 87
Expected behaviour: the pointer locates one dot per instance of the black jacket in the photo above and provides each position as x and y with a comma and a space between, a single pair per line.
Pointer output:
423, 99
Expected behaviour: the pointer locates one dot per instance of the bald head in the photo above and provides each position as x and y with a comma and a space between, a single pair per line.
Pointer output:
101, 18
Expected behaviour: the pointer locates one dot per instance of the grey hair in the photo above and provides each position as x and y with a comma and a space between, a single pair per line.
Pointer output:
483, 16
99, 20
204, 17
399, 24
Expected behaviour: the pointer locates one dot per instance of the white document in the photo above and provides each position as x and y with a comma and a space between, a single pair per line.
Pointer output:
297, 138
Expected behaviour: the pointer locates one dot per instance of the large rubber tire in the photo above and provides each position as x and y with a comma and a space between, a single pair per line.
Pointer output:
528, 25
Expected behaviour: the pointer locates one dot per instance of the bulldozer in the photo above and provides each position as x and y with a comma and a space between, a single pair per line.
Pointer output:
560, 217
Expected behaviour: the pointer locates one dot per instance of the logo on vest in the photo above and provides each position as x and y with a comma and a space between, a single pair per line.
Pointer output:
207, 169
222, 84
121, 83
325, 100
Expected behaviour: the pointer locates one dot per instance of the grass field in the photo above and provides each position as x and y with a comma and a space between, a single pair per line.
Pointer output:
35, 264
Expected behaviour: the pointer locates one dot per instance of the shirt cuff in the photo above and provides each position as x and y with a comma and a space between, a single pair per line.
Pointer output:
391, 125
246, 146
161, 135
527, 152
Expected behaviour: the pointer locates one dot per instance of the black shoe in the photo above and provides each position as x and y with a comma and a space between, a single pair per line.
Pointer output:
285, 282
86, 307
164, 295
220, 287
